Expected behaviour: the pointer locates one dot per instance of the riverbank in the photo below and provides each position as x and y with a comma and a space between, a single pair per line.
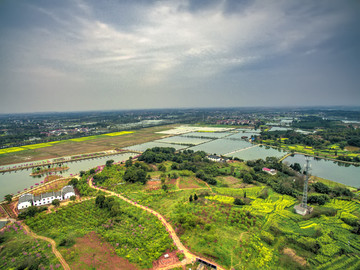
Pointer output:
66, 159
45, 171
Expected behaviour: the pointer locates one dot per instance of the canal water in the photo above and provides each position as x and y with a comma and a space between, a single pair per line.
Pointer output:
12, 182
338, 172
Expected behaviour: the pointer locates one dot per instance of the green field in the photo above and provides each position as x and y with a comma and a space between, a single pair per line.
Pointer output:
135, 234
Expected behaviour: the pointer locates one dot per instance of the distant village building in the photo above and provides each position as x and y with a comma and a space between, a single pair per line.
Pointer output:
217, 158
28, 200
269, 171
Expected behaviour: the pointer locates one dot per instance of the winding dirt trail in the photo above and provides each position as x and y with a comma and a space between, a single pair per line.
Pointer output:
53, 245
189, 257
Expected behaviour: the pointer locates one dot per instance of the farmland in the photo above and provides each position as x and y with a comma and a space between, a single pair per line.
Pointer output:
82, 145
257, 231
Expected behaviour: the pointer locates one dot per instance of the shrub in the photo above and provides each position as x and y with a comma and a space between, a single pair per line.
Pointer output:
321, 188
267, 237
319, 199
238, 201
349, 219
66, 242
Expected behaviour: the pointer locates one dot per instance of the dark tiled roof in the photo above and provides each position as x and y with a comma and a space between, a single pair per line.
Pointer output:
47, 195
214, 157
57, 193
67, 189
26, 198
37, 198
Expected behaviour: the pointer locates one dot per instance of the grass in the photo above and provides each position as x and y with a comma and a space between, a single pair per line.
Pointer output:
20, 251
135, 234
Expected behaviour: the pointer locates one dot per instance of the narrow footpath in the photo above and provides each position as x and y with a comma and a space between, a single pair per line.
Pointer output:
53, 245
189, 257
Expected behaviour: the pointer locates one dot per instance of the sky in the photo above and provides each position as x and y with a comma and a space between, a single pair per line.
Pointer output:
79, 55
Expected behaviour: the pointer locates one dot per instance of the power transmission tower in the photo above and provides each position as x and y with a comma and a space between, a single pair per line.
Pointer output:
305, 192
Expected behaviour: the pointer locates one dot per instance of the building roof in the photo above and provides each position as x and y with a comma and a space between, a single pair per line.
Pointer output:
57, 193
37, 198
214, 157
47, 195
68, 189
26, 198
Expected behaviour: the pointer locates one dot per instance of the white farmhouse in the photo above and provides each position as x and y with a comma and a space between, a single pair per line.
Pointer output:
47, 198
25, 201
67, 192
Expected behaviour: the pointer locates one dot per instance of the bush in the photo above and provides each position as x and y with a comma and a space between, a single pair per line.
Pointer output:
267, 237
238, 201
321, 188
349, 219
318, 211
319, 199
66, 242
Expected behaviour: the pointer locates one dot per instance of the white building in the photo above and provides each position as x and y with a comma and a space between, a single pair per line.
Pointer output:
47, 198
25, 201
67, 192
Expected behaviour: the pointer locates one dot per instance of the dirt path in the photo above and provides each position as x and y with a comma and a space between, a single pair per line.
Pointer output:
53, 245
189, 257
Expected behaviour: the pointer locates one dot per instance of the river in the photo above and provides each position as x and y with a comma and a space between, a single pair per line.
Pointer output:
338, 172
12, 182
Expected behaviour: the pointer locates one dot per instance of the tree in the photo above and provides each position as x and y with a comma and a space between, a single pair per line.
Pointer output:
82, 173
238, 201
190, 198
296, 167
73, 198
8, 197
56, 202
244, 194
162, 168
195, 197
129, 162
99, 201
73, 182
165, 188
92, 171
248, 178
109, 163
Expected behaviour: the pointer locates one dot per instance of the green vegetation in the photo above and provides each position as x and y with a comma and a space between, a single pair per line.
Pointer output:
135, 234
21, 251
244, 219
333, 140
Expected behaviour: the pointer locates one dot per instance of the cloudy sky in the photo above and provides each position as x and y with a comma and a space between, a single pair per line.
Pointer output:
73, 55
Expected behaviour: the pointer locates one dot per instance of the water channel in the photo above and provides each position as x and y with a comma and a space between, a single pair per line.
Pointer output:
12, 182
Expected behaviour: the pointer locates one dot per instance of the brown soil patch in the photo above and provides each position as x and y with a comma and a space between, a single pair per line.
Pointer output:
352, 148
153, 185
230, 180
291, 253
164, 262
189, 182
92, 251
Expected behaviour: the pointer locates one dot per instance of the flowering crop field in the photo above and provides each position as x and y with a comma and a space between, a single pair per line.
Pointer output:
48, 144
135, 234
